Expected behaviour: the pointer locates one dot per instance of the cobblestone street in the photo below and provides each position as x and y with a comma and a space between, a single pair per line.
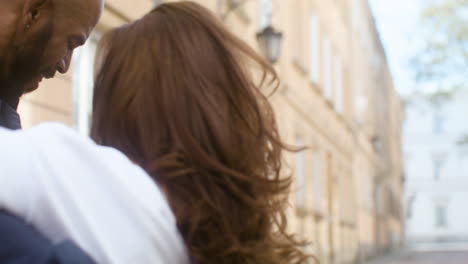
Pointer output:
441, 257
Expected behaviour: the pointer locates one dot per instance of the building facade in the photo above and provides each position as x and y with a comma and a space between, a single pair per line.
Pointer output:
436, 173
337, 99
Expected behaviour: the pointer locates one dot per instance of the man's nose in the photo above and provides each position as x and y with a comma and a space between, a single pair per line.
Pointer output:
64, 64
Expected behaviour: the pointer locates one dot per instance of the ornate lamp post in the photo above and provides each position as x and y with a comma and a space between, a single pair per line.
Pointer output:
270, 42
268, 39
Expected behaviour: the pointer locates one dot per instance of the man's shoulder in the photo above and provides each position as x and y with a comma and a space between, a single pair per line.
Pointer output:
52, 127
21, 143
51, 134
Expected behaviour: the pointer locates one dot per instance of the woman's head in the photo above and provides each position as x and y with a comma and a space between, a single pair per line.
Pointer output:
174, 91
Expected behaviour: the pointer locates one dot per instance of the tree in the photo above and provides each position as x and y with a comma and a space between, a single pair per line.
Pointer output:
443, 60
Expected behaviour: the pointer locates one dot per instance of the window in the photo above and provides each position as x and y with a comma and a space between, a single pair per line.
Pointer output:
438, 124
300, 175
338, 74
369, 199
314, 48
356, 13
346, 198
410, 206
378, 200
438, 160
266, 9
441, 216
361, 102
327, 88
318, 185
437, 164
297, 34
83, 81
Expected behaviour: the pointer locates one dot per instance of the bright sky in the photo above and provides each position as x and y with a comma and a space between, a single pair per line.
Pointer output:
397, 22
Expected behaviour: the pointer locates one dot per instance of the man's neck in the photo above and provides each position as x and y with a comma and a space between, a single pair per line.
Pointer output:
11, 101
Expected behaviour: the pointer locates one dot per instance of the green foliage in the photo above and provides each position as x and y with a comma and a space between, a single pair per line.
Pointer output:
440, 97
463, 141
443, 61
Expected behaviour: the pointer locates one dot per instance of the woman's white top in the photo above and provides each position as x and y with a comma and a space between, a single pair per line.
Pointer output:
70, 188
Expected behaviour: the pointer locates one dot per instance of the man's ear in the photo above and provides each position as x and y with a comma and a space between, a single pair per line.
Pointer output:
32, 12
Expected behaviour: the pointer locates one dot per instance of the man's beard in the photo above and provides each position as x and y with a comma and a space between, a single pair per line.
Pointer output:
23, 64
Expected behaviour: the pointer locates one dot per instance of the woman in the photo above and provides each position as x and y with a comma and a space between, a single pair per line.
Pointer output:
175, 95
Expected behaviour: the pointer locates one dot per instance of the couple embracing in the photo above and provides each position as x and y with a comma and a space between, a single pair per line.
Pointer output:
184, 160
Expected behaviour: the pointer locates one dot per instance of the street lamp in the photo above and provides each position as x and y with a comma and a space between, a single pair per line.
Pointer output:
268, 39
270, 42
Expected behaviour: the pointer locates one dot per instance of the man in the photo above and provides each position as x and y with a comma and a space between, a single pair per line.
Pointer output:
37, 39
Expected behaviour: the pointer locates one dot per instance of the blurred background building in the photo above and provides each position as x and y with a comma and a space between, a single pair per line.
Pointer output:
436, 178
337, 98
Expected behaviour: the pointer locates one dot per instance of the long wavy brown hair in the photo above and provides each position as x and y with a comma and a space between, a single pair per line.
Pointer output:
176, 92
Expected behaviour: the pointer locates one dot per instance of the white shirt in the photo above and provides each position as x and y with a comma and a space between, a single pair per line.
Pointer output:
70, 188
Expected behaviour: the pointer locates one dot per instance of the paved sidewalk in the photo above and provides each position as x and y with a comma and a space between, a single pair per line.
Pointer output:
428, 257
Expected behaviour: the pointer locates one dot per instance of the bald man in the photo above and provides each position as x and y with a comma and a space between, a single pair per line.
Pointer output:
37, 40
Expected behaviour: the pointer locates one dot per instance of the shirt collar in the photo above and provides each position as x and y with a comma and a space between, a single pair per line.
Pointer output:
9, 117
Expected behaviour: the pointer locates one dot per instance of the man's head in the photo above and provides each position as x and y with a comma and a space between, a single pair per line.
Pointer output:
37, 39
